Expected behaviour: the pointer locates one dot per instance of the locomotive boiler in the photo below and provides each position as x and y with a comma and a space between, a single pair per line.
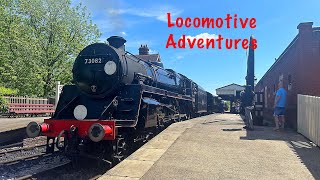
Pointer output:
116, 101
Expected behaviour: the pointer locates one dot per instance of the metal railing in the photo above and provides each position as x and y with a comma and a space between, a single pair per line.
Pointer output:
309, 117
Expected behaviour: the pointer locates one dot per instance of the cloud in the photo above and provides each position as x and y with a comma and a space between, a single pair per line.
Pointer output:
174, 60
204, 36
151, 51
179, 57
118, 17
159, 13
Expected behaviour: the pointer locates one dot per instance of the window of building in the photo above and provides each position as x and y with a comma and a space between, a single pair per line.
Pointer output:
274, 88
281, 78
289, 82
266, 96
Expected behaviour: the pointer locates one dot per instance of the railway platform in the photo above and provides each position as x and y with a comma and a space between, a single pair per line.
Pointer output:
217, 147
13, 130
9, 124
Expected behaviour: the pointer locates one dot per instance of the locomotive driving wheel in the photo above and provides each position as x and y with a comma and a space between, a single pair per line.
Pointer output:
120, 150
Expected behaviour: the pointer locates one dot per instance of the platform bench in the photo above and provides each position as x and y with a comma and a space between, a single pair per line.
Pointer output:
30, 109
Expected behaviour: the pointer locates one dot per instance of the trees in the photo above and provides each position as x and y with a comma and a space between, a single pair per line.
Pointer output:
7, 19
3, 103
39, 42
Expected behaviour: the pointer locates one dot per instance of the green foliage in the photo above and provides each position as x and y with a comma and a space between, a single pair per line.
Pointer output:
39, 42
3, 103
227, 105
7, 91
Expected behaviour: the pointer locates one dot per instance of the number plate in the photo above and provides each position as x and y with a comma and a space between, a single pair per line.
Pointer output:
93, 61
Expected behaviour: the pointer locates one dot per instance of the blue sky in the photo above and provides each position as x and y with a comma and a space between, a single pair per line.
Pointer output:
144, 22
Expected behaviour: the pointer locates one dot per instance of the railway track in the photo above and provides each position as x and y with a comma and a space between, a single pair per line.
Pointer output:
25, 159
31, 162
16, 154
30, 166
28, 160
4, 151
24, 163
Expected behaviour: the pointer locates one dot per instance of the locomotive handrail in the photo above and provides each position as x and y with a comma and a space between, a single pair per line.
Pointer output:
140, 74
105, 110
58, 113
139, 59
126, 65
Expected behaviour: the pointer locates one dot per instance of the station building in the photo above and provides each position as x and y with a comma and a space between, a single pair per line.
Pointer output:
298, 67
230, 92
153, 58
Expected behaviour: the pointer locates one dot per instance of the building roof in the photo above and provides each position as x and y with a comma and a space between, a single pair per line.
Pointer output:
150, 57
230, 89
230, 85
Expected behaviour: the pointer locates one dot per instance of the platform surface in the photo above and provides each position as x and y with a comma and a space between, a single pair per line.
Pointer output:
217, 147
8, 124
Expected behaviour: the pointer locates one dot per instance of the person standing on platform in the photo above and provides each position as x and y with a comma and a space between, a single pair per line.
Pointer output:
280, 106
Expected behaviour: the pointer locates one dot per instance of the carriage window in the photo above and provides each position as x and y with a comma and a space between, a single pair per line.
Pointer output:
149, 69
179, 81
164, 77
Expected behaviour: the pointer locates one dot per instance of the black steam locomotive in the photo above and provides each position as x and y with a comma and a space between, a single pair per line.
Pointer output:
117, 101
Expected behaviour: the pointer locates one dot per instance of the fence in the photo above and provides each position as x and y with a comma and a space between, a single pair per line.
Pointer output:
26, 100
309, 117
249, 120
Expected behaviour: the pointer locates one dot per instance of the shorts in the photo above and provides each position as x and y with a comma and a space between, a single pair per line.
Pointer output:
279, 111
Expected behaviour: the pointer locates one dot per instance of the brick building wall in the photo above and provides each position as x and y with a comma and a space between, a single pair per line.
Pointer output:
299, 69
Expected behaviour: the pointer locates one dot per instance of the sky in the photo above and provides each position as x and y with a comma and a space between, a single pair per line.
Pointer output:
145, 22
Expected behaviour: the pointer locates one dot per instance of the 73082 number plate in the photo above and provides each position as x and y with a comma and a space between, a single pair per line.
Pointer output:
92, 60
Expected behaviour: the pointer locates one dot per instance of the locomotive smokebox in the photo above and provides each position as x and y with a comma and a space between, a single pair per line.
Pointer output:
117, 42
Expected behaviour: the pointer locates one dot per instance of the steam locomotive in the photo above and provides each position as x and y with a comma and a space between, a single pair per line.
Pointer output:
117, 101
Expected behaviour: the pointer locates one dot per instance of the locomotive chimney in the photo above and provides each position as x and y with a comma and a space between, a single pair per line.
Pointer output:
117, 42
144, 50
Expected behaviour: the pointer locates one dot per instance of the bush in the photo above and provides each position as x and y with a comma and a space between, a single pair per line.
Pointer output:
3, 105
3, 102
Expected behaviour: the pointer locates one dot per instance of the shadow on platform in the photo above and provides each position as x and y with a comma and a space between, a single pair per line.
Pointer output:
305, 150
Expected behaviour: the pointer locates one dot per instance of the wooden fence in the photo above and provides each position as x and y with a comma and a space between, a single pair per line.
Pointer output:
26, 100
309, 117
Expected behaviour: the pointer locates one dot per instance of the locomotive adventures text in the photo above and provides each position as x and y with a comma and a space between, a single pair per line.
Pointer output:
218, 41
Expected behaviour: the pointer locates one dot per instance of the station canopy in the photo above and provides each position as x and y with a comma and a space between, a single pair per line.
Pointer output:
230, 91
